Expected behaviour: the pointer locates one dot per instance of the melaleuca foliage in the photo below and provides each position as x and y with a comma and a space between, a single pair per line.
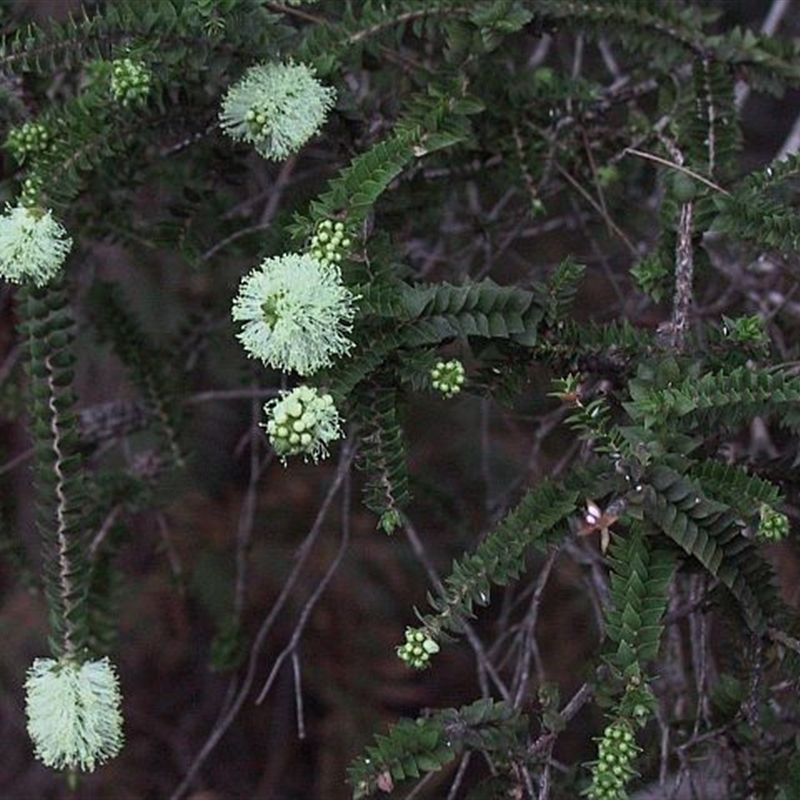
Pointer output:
493, 218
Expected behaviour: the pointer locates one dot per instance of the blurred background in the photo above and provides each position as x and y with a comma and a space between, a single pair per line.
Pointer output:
219, 565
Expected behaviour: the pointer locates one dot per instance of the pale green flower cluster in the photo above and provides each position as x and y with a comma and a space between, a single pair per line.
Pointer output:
773, 525
296, 313
33, 245
418, 648
277, 108
448, 377
28, 139
330, 243
73, 711
302, 422
130, 81
613, 769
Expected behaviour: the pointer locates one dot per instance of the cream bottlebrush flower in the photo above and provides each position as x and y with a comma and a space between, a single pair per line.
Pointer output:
73, 709
302, 422
33, 245
277, 108
296, 313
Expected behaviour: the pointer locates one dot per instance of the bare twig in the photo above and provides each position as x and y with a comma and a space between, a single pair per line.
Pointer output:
483, 661
678, 167
310, 604
528, 645
684, 278
237, 694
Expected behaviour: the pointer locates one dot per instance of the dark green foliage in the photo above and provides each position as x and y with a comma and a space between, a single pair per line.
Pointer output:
414, 747
364, 181
482, 309
60, 512
384, 457
641, 575
727, 398
760, 208
744, 493
709, 532
500, 558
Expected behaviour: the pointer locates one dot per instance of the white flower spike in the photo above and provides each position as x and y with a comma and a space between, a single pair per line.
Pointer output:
33, 245
277, 108
73, 709
296, 313
302, 422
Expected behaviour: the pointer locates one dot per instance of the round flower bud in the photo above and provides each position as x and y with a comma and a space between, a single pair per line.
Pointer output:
773, 525
616, 751
130, 81
329, 244
448, 377
27, 139
418, 648
33, 245
277, 108
73, 711
302, 422
296, 313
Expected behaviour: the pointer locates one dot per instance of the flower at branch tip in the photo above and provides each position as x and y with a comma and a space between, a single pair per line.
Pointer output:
28, 139
73, 710
277, 108
773, 525
616, 752
33, 245
330, 242
302, 422
130, 81
447, 377
296, 313
418, 649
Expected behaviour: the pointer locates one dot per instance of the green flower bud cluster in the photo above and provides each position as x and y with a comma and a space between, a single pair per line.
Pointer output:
330, 243
745, 330
773, 525
418, 649
130, 81
448, 377
617, 750
28, 139
302, 422
32, 188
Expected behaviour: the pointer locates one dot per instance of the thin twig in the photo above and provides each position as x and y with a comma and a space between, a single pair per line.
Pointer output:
308, 607
678, 167
244, 527
215, 395
231, 709
684, 278
527, 638
597, 207
459, 778
482, 658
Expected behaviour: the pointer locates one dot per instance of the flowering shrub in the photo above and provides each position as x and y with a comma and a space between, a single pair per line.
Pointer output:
282, 219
